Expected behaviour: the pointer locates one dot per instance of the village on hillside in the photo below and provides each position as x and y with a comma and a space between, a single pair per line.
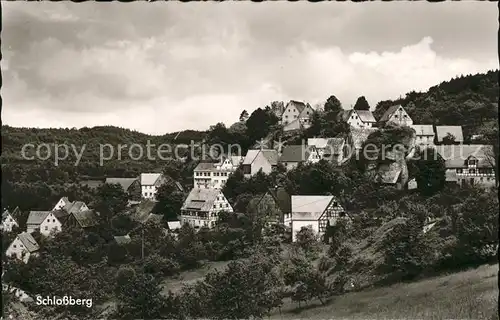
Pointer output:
466, 165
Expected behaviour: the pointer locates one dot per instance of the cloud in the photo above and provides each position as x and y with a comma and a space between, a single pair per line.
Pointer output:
191, 67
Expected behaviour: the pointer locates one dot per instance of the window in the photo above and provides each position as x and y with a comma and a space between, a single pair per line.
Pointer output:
215, 206
220, 205
472, 171
395, 116
46, 228
53, 220
459, 170
14, 246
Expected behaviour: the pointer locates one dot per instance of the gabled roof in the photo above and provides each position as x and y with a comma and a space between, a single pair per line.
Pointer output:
6, 214
37, 217
87, 218
282, 199
270, 154
124, 182
74, 206
250, 156
201, 199
456, 131
455, 156
28, 241
423, 129
319, 143
300, 106
149, 179
173, 225
61, 215
205, 166
309, 207
388, 113
366, 116
121, 240
294, 153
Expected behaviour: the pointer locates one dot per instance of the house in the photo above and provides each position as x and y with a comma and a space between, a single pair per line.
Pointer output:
277, 203
214, 175
424, 135
396, 115
64, 201
45, 221
358, 118
256, 160
201, 207
315, 212
292, 155
454, 132
8, 220
131, 186
23, 246
82, 219
70, 206
150, 182
471, 164
296, 110
330, 149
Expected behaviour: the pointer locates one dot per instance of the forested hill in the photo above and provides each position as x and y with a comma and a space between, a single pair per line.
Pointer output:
470, 101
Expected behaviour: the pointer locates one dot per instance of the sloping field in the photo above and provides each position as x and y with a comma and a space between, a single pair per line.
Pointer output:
471, 294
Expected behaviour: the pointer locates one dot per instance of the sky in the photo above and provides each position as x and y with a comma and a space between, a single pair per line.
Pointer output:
165, 67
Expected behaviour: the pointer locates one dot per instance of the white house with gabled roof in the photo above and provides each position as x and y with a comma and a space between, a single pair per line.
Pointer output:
45, 221
315, 212
150, 182
201, 207
9, 220
23, 246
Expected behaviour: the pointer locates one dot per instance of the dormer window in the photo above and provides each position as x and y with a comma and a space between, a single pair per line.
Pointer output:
472, 162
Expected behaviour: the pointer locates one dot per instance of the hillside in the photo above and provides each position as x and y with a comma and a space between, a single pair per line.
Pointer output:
471, 294
470, 101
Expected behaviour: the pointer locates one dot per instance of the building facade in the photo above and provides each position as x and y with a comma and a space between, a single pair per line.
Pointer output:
45, 221
214, 175
150, 182
396, 115
202, 206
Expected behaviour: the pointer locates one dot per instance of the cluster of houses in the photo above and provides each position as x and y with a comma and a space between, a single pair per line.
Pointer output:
465, 164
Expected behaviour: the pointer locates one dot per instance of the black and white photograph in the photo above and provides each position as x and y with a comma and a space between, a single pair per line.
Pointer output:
242, 160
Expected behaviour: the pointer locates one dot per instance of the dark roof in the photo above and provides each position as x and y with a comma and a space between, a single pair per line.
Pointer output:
205, 166
87, 218
124, 182
74, 206
282, 198
387, 114
294, 153
455, 156
37, 217
271, 156
366, 116
61, 215
28, 241
201, 199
